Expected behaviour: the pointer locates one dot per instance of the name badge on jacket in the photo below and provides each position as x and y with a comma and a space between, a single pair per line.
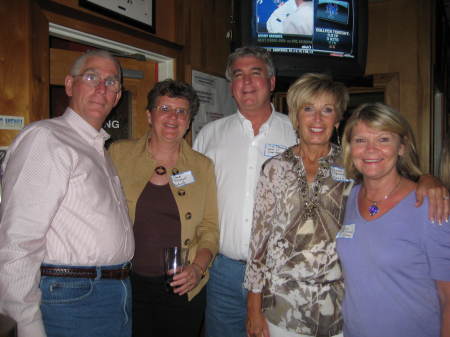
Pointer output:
183, 179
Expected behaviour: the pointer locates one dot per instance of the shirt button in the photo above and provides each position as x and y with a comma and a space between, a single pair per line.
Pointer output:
187, 242
175, 171
181, 193
188, 216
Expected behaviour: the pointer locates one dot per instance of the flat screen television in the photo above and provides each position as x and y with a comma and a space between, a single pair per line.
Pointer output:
306, 36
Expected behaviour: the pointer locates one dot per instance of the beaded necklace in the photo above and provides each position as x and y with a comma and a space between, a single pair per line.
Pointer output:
310, 193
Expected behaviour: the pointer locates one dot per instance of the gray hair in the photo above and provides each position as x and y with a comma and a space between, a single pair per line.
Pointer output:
258, 52
81, 61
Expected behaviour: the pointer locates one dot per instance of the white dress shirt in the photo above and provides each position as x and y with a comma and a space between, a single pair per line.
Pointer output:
62, 204
238, 156
301, 21
275, 22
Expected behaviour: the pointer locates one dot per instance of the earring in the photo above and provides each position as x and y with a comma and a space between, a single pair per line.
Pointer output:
338, 139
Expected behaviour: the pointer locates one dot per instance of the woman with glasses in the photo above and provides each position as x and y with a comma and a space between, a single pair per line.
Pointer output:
171, 194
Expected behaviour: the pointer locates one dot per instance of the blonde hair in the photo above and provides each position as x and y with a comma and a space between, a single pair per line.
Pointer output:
381, 117
444, 164
306, 88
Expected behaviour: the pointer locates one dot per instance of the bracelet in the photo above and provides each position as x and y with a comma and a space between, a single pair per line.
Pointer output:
200, 267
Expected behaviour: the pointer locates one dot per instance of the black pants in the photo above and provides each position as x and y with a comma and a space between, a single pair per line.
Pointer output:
158, 312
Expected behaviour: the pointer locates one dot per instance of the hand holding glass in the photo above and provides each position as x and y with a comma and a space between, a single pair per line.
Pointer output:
175, 259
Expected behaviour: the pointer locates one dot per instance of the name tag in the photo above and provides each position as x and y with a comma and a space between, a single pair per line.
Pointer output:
183, 179
338, 174
271, 150
346, 232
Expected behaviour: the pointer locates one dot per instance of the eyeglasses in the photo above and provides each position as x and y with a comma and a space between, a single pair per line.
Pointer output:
181, 113
93, 79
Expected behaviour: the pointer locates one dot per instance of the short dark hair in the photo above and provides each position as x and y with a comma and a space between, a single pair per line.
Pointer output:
174, 89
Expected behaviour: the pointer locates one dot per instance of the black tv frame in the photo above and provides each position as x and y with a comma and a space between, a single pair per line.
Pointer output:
291, 66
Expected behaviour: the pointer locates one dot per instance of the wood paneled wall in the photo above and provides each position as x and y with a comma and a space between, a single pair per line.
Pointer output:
206, 43
24, 55
194, 33
400, 42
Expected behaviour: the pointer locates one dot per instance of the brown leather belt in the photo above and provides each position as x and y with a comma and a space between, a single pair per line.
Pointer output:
114, 274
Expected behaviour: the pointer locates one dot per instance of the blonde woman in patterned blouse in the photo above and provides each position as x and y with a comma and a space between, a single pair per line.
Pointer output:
293, 274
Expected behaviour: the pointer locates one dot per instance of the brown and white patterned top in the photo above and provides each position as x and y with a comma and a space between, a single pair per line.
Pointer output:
292, 258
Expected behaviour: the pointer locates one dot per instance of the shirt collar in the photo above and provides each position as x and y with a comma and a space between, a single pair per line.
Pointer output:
85, 130
264, 129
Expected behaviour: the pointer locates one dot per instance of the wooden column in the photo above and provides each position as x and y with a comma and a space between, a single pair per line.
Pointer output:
24, 63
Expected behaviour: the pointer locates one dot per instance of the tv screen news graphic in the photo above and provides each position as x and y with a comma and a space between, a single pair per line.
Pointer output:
325, 27
307, 35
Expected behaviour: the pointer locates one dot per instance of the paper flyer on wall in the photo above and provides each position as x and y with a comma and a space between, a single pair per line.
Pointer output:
215, 99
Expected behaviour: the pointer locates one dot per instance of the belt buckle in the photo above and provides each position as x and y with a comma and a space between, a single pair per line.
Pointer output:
124, 272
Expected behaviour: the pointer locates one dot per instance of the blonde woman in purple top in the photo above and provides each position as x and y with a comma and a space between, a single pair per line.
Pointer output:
396, 262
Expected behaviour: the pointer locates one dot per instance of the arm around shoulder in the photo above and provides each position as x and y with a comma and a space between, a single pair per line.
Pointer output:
438, 195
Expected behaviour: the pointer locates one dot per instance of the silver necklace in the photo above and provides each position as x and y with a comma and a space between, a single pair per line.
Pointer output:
373, 208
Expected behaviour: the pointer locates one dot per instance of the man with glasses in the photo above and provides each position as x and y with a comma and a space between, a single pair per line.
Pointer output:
65, 235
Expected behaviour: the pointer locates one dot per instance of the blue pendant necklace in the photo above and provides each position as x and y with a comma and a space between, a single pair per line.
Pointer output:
373, 208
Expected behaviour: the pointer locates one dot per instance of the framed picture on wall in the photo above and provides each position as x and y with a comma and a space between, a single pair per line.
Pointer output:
139, 13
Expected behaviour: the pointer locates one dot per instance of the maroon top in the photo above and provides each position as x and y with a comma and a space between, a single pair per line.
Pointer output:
156, 226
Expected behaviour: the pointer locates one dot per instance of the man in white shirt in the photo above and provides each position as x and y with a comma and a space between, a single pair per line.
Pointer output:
238, 145
280, 20
65, 236
301, 21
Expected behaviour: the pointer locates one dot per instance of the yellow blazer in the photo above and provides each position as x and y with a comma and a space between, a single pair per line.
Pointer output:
196, 202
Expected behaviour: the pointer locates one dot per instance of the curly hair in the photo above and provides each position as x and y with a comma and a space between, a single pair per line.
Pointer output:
174, 89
